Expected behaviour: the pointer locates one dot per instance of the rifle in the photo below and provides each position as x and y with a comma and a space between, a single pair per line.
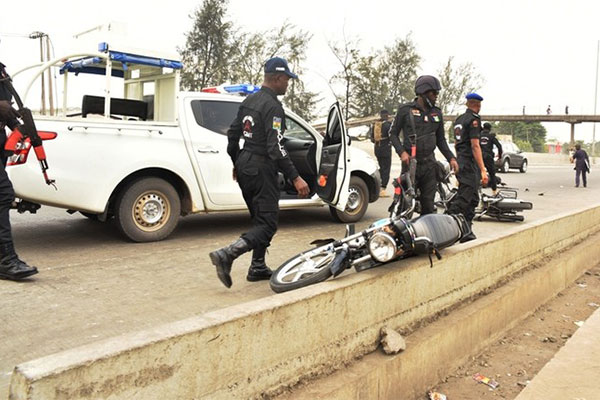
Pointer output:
24, 130
412, 164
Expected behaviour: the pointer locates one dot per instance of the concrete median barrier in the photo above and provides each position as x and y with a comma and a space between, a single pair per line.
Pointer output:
263, 347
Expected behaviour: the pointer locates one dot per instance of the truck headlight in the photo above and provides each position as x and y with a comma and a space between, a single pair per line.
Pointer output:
382, 247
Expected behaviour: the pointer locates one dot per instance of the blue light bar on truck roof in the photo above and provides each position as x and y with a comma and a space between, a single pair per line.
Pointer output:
243, 89
93, 64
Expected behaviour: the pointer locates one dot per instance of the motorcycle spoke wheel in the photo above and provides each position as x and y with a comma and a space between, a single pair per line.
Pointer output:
302, 270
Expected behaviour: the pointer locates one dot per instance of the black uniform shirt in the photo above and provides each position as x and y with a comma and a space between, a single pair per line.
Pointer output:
487, 141
429, 126
261, 120
466, 127
4, 93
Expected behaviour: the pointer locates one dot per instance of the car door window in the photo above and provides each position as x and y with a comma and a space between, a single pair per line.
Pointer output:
294, 130
216, 116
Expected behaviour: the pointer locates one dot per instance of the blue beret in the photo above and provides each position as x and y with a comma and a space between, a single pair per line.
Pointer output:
474, 96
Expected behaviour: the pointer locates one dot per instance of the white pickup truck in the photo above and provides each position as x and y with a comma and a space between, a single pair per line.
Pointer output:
152, 154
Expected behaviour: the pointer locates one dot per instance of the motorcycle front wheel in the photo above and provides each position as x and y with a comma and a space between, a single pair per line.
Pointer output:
303, 269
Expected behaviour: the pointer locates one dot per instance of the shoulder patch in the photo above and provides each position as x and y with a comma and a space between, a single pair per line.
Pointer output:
458, 132
475, 123
277, 123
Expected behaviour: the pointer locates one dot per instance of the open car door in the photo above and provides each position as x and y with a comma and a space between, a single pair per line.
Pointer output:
333, 178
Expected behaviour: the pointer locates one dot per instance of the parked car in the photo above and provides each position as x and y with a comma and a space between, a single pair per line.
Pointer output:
512, 158
157, 154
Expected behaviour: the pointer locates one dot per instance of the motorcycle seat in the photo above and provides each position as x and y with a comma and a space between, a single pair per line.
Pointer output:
443, 230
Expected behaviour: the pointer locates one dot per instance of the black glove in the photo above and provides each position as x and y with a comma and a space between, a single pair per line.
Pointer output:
8, 115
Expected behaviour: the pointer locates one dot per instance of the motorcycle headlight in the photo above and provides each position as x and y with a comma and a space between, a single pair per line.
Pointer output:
382, 247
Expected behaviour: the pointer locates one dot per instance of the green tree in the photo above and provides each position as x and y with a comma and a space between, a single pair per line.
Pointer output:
384, 79
370, 91
251, 50
456, 83
400, 62
348, 56
207, 47
533, 133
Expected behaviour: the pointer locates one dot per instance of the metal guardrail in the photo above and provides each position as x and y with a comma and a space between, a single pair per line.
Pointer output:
570, 119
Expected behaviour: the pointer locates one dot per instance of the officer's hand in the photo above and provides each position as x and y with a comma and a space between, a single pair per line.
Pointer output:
484, 179
405, 157
7, 112
234, 175
454, 165
301, 187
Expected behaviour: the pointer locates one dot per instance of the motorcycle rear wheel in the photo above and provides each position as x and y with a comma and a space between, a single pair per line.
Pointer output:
303, 269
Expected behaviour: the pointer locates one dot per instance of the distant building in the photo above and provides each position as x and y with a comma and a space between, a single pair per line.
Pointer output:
553, 146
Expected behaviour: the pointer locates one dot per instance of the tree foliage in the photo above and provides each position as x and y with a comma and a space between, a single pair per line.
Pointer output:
384, 79
456, 82
207, 46
348, 56
523, 133
216, 52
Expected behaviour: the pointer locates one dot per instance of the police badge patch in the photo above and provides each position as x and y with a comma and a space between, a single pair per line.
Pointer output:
475, 123
277, 123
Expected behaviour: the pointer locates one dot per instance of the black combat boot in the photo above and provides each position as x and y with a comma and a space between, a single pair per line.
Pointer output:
223, 258
470, 236
258, 270
11, 267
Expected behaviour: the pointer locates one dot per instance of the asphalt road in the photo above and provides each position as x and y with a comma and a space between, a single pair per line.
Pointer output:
93, 285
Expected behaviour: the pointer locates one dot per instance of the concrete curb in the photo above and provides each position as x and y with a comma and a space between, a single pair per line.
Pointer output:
264, 346
437, 350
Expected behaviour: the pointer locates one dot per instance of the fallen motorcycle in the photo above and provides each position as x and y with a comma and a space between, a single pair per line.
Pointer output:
385, 240
503, 206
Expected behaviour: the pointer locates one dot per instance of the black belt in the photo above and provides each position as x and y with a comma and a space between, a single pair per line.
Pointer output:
257, 156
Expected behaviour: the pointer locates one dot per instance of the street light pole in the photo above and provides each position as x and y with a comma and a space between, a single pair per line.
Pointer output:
595, 99
41, 35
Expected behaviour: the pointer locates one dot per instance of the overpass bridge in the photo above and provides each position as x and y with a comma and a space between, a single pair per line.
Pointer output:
568, 118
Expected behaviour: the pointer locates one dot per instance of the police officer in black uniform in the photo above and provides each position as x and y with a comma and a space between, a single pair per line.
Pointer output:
488, 141
261, 121
467, 131
427, 134
11, 267
380, 136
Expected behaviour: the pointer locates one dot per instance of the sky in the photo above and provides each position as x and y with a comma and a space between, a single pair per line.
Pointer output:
530, 53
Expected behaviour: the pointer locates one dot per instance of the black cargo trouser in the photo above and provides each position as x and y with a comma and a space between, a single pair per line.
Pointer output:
7, 196
491, 170
426, 183
383, 152
467, 197
257, 177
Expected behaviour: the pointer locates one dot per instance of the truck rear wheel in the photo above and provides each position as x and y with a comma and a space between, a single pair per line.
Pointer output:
147, 210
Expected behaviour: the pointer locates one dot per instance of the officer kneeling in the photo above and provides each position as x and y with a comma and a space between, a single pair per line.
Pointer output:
261, 120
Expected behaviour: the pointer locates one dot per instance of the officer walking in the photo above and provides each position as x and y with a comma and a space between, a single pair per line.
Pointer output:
380, 136
467, 131
11, 267
261, 121
422, 125
487, 141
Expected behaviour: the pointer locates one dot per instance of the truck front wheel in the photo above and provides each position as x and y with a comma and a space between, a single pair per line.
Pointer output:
358, 201
147, 210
